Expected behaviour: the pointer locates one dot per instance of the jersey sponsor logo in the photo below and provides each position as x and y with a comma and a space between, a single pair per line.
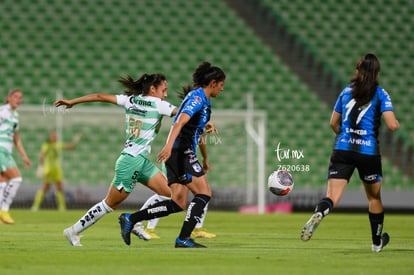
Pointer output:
134, 109
388, 104
143, 102
360, 132
188, 215
157, 209
371, 178
182, 178
357, 141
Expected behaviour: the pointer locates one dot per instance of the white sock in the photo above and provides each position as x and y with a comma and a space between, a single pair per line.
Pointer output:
2, 187
203, 216
10, 192
92, 216
152, 224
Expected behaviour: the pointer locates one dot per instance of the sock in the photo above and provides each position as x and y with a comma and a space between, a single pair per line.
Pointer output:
377, 222
203, 216
152, 200
194, 213
38, 199
152, 224
2, 187
60, 199
324, 206
10, 192
92, 216
160, 209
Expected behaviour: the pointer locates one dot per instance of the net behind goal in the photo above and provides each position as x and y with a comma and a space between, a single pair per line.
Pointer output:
236, 153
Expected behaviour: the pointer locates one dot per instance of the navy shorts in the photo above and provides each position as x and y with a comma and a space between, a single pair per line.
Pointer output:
343, 164
182, 166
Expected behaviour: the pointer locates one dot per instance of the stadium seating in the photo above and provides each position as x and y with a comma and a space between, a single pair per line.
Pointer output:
77, 47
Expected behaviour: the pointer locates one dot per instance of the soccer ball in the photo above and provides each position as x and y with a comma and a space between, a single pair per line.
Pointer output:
280, 182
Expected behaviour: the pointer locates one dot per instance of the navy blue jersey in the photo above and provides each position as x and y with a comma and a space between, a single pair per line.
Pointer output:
360, 124
198, 107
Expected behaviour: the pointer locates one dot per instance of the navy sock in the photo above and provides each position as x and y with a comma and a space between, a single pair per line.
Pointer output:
324, 206
157, 210
377, 222
194, 213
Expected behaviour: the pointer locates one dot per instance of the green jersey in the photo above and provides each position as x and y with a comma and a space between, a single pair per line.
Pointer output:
143, 115
9, 123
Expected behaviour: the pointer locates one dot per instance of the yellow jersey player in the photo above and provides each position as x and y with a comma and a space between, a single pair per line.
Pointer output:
50, 169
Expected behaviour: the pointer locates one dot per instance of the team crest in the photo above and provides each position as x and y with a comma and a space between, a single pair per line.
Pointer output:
197, 168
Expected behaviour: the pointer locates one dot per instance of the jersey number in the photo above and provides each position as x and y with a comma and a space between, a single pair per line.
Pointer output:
351, 105
134, 126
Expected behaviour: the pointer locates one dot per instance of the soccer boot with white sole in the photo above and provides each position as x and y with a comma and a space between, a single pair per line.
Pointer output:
140, 232
310, 227
72, 237
385, 239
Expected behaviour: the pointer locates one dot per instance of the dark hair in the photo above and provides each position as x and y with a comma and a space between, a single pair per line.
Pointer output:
205, 73
142, 85
185, 91
202, 76
365, 81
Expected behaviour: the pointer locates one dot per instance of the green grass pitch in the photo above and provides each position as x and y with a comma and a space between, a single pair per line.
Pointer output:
245, 244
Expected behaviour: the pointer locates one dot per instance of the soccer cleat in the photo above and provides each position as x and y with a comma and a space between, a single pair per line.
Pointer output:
126, 227
311, 226
72, 237
6, 218
202, 233
152, 233
385, 239
140, 232
187, 243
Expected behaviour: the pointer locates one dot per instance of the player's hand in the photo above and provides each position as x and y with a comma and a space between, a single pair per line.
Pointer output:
63, 102
206, 166
27, 162
211, 128
164, 155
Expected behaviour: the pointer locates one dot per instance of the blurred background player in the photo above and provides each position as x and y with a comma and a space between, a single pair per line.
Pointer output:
10, 177
50, 169
199, 231
355, 120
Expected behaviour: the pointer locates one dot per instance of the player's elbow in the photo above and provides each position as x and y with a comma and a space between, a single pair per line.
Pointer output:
335, 127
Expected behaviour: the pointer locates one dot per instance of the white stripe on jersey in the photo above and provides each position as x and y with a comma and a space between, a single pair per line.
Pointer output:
143, 115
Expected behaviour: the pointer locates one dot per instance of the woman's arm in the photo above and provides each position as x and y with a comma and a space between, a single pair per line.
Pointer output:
203, 150
72, 145
335, 122
390, 120
19, 145
69, 103
174, 132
